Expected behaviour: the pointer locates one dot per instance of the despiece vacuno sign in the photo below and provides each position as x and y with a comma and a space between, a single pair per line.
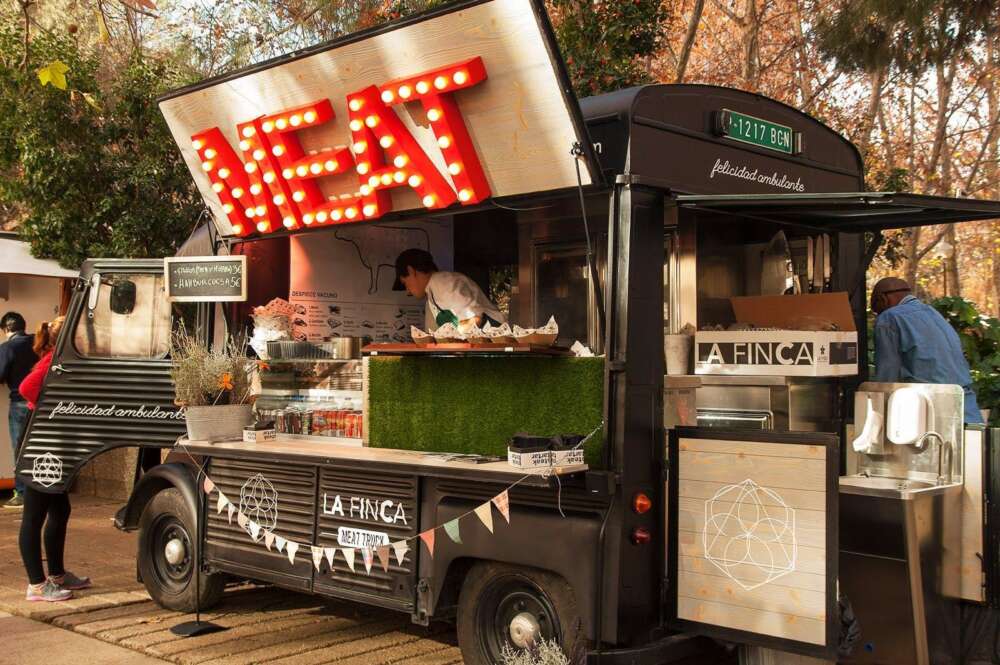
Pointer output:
206, 278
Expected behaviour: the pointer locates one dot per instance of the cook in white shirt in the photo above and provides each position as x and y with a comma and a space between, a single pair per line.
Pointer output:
451, 297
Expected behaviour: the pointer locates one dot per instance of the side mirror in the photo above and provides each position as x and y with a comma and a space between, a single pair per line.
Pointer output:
122, 299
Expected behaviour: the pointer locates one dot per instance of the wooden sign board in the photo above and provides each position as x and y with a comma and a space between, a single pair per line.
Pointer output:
523, 119
206, 278
754, 545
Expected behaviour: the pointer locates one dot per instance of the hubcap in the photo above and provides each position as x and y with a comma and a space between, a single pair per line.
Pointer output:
524, 629
174, 551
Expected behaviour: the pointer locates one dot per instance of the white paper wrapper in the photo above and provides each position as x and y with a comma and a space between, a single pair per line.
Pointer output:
448, 333
501, 334
420, 338
475, 335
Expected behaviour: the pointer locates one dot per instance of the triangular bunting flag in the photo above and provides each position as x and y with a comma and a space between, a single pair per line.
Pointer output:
451, 528
383, 557
502, 502
428, 538
208, 485
280, 543
349, 556
330, 553
232, 509
254, 529
221, 503
369, 557
400, 548
485, 515
268, 539
291, 549
241, 519
317, 553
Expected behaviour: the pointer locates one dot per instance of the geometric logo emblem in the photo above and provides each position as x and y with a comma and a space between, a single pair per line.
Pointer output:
259, 501
47, 470
750, 534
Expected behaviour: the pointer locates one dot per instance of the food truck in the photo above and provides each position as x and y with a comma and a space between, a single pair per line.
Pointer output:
722, 503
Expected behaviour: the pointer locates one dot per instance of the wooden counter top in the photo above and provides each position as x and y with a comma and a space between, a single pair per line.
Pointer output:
407, 461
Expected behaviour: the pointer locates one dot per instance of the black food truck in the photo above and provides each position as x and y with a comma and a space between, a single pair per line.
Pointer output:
728, 489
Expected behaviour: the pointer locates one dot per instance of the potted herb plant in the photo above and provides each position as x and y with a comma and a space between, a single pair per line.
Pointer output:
213, 385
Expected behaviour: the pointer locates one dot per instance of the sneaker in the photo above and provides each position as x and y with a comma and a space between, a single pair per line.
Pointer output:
70, 581
48, 591
16, 501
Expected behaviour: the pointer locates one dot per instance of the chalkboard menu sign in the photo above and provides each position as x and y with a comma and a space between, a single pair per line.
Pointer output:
206, 278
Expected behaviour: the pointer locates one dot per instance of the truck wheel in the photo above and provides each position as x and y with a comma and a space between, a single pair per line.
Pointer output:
166, 555
502, 605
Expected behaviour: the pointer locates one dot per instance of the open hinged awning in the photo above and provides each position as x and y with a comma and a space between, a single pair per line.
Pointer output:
848, 211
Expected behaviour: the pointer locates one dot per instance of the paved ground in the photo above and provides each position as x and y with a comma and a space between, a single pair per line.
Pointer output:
26, 641
265, 624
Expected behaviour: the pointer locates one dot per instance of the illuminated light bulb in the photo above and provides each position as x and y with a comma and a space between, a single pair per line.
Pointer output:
228, 207
268, 127
250, 131
336, 215
371, 120
197, 144
206, 166
298, 196
356, 125
259, 154
269, 177
278, 199
237, 192
301, 170
428, 201
404, 91
278, 150
454, 168
255, 189
210, 154
386, 179
363, 168
310, 116
464, 195
244, 145
217, 187
237, 229
385, 141
263, 227
399, 177
316, 168
369, 210
321, 216
460, 77
289, 222
400, 161
415, 181
360, 147
366, 190
355, 104
444, 141
434, 115
250, 167
423, 86
249, 212
307, 219
281, 123
223, 173
331, 165
287, 173
441, 83
260, 210
373, 181
296, 119
351, 212
387, 96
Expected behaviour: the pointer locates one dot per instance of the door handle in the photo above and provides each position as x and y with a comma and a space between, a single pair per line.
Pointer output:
59, 369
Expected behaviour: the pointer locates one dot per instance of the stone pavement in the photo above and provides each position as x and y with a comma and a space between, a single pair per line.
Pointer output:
26, 641
265, 624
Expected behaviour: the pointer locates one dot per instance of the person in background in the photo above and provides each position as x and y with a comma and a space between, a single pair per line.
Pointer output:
16, 360
42, 509
451, 296
915, 344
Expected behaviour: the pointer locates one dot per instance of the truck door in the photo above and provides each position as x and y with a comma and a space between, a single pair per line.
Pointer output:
110, 384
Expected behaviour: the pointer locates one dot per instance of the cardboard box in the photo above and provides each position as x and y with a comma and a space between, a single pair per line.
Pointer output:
545, 458
804, 345
251, 435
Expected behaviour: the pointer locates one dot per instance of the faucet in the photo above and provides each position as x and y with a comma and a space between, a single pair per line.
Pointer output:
942, 446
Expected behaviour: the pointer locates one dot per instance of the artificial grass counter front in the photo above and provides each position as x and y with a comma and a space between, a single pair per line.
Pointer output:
475, 405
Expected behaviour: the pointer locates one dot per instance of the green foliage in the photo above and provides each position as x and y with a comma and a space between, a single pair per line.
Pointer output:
980, 337
474, 405
91, 170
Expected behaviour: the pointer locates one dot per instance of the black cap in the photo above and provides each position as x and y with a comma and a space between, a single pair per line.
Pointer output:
418, 259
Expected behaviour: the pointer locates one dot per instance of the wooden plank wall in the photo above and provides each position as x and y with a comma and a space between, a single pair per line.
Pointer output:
744, 485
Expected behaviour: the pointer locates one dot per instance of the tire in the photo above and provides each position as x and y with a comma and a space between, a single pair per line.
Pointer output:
172, 586
494, 593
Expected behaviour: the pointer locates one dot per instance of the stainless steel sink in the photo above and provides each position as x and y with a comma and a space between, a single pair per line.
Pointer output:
893, 488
